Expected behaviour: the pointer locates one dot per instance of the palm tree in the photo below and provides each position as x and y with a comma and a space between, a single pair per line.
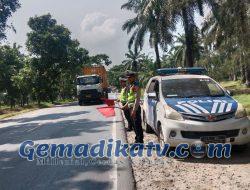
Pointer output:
226, 32
179, 49
134, 58
147, 70
150, 20
184, 10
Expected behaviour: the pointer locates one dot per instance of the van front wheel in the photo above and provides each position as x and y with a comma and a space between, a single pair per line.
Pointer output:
146, 127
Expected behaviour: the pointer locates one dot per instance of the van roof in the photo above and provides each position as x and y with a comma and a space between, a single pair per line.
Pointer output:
83, 76
181, 76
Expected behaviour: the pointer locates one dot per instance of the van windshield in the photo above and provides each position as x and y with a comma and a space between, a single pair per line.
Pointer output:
88, 80
191, 87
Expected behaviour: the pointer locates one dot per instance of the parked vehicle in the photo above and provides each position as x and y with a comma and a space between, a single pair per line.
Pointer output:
184, 105
93, 85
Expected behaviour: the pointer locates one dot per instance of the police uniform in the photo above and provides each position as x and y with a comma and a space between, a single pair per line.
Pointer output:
137, 122
124, 99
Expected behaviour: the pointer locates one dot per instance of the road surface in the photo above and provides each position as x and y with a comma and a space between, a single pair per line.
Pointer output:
60, 124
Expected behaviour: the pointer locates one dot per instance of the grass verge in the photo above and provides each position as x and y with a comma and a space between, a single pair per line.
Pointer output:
244, 99
6, 111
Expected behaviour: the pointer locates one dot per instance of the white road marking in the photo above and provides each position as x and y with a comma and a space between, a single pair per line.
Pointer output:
114, 175
30, 130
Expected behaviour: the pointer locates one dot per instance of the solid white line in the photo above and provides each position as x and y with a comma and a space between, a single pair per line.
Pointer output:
192, 108
184, 109
199, 107
214, 107
229, 107
114, 175
30, 130
222, 107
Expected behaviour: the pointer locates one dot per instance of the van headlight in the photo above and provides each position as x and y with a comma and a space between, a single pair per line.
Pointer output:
170, 113
241, 112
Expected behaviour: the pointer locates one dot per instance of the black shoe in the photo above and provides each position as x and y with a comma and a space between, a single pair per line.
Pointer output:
137, 142
129, 129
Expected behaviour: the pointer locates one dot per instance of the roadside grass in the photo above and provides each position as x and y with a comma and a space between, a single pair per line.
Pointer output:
6, 111
236, 87
244, 99
241, 92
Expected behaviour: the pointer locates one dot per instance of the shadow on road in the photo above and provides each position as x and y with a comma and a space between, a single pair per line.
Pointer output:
44, 117
17, 173
71, 128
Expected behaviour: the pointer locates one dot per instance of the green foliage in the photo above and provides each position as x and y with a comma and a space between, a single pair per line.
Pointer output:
133, 60
57, 57
7, 8
146, 69
153, 21
100, 59
244, 99
10, 63
49, 73
114, 74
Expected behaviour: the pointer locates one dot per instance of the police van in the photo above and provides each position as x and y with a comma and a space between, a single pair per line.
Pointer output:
184, 105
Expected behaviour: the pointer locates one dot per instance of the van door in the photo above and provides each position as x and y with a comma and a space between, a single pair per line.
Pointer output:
152, 102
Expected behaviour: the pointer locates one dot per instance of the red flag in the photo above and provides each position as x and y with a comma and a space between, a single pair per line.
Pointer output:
109, 102
107, 111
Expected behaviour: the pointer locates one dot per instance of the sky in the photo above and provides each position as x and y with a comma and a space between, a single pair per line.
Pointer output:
96, 24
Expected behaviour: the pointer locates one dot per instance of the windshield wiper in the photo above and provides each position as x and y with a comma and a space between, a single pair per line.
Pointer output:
218, 95
194, 96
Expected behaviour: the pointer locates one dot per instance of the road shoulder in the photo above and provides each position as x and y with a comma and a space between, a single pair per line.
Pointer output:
125, 177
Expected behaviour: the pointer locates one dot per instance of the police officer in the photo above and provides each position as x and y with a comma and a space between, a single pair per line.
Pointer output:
134, 96
123, 99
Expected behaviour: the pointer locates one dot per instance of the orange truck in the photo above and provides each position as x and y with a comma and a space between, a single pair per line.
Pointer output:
93, 84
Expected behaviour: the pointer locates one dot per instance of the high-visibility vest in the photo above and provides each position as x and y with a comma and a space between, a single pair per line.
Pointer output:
131, 95
123, 96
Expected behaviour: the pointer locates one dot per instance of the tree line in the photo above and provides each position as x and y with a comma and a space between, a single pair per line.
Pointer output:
221, 44
49, 70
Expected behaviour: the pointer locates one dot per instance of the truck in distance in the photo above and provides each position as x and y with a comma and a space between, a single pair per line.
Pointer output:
92, 86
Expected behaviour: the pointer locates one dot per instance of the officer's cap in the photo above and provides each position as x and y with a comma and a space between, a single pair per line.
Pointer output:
130, 73
123, 79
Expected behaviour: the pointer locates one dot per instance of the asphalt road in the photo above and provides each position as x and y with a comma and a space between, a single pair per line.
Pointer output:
61, 124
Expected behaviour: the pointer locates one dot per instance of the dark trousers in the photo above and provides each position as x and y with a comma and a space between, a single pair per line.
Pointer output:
137, 126
128, 118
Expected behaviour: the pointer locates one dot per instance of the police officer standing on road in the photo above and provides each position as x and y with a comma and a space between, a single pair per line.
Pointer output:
134, 96
124, 99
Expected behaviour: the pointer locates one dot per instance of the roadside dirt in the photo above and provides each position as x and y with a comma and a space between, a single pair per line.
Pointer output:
201, 174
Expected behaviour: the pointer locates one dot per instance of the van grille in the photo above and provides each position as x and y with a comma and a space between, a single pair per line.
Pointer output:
205, 118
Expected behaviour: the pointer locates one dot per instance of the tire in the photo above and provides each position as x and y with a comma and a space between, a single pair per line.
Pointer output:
160, 135
240, 148
80, 102
146, 127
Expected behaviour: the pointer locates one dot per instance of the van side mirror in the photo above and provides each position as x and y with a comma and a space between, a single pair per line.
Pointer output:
230, 93
152, 95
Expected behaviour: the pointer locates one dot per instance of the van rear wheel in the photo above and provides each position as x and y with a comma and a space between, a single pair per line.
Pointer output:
80, 102
240, 148
146, 127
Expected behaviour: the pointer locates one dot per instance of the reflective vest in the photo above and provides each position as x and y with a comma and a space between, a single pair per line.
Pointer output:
123, 96
131, 95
